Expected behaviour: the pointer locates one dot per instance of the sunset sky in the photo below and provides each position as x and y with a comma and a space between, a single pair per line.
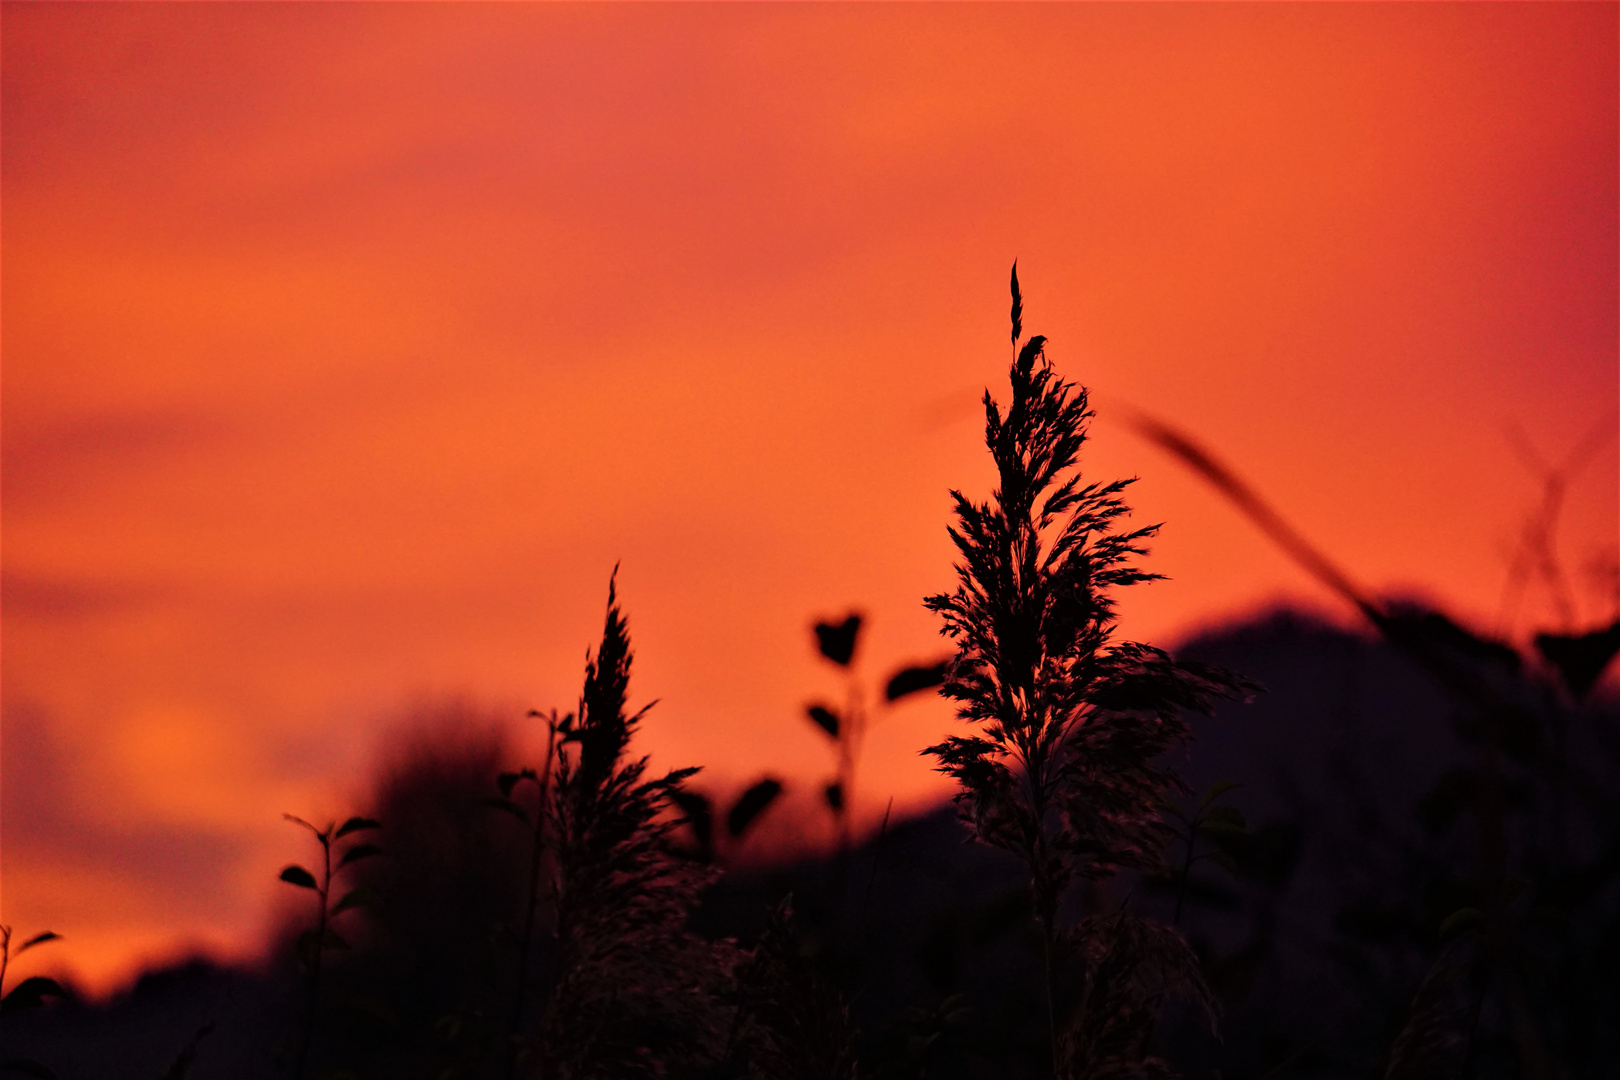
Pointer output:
347, 348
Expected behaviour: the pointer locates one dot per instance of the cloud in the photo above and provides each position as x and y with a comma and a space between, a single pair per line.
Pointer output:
58, 458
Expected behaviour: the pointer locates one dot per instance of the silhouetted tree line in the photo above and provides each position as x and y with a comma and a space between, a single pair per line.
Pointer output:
1430, 886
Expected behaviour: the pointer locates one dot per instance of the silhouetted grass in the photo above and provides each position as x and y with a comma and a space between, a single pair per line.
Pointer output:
1064, 768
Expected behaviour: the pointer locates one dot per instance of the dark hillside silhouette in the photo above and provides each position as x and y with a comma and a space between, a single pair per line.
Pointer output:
1316, 947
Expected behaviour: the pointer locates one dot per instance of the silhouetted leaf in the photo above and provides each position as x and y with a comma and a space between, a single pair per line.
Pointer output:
510, 807
27, 1067
1457, 920
1017, 305
751, 804
912, 679
1222, 819
1216, 790
699, 816
1032, 348
31, 994
509, 780
333, 940
837, 641
359, 896
358, 852
1581, 660
825, 719
834, 794
37, 939
355, 824
297, 875
300, 821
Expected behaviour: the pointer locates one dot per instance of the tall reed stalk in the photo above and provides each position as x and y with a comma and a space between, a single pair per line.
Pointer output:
1063, 767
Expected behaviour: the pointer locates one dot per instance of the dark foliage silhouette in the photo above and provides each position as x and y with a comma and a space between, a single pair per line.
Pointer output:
28, 994
313, 944
742, 817
846, 725
1064, 770
1537, 884
792, 1022
629, 991
1418, 875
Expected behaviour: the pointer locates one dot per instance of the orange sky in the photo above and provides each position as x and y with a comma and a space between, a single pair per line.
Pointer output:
347, 348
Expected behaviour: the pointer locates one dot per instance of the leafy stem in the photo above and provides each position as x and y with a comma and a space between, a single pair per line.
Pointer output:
508, 783
1069, 725
1218, 823
312, 944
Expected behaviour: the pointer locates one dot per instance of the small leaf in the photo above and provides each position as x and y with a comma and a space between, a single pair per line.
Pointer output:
358, 852
510, 807
359, 896
1216, 790
27, 1067
837, 640
750, 804
301, 821
824, 718
1222, 819
355, 824
1220, 828
1017, 305
37, 939
332, 940
834, 794
509, 780
297, 875
31, 994
1033, 348
912, 679
1459, 919
700, 816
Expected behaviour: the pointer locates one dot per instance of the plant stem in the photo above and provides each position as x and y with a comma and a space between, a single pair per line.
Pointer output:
315, 960
526, 946
849, 748
1045, 902
1186, 868
1047, 936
